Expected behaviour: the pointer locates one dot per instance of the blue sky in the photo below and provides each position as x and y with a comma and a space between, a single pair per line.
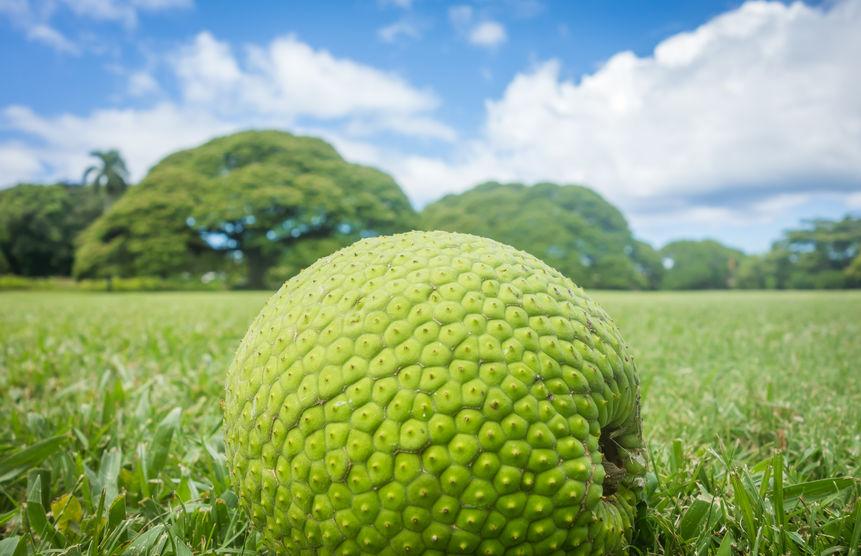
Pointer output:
699, 119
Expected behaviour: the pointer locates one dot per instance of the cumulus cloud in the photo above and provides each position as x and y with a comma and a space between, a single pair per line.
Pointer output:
749, 118
19, 162
288, 78
286, 84
61, 143
207, 69
759, 101
487, 34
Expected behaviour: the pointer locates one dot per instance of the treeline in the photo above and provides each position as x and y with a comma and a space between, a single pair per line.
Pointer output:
254, 208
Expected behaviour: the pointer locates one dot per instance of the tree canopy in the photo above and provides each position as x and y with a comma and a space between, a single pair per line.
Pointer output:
821, 254
570, 227
258, 206
252, 197
698, 265
38, 225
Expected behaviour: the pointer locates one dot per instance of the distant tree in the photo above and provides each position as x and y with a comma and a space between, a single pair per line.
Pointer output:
570, 227
110, 174
822, 254
39, 224
751, 273
252, 196
648, 264
696, 265
853, 273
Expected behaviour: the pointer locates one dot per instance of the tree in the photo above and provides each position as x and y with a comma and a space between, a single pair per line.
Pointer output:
253, 196
819, 255
648, 264
697, 265
109, 174
853, 273
38, 226
570, 227
821, 252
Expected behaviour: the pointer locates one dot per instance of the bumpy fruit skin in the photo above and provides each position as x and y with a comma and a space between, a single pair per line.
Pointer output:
432, 392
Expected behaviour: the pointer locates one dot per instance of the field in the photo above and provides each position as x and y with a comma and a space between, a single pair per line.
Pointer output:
752, 412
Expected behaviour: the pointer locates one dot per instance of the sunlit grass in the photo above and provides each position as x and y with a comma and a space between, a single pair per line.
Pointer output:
110, 436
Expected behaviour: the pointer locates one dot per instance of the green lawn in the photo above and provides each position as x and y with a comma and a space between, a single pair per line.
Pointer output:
733, 385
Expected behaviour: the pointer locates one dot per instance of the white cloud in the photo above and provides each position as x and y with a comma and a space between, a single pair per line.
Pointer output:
142, 83
207, 69
104, 10
122, 11
487, 34
143, 136
33, 21
46, 34
274, 85
19, 162
751, 116
287, 79
300, 78
33, 17
397, 30
759, 101
411, 125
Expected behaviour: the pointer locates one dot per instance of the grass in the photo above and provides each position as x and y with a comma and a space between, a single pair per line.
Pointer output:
110, 439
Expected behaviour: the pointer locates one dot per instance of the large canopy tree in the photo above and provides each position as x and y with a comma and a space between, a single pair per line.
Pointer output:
698, 265
570, 227
253, 196
38, 225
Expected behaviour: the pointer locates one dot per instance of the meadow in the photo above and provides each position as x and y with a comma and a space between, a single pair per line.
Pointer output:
110, 436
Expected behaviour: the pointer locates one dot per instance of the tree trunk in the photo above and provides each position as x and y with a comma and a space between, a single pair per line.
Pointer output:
257, 267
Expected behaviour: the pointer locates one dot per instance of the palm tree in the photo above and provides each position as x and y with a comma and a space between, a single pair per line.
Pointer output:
109, 173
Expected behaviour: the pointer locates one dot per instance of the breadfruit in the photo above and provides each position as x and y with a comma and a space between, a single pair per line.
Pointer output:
434, 392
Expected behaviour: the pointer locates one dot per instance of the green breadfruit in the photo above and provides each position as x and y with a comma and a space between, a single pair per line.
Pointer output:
433, 391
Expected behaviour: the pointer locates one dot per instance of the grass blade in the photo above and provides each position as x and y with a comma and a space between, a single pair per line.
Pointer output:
13, 546
725, 548
109, 471
777, 500
22, 460
160, 446
37, 516
855, 541
701, 515
743, 500
815, 490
